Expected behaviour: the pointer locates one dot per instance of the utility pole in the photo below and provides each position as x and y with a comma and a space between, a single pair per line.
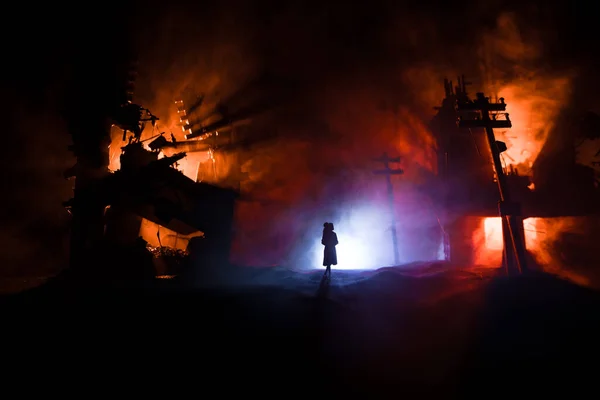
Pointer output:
388, 172
482, 113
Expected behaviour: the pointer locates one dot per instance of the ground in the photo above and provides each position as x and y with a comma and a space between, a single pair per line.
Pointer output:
419, 329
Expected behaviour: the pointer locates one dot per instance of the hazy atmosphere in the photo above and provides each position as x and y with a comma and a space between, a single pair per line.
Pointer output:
330, 86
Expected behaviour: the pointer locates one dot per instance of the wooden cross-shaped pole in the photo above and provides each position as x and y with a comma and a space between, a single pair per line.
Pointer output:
388, 172
515, 260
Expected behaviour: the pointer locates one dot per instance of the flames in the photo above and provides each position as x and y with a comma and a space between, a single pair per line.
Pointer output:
286, 172
189, 166
533, 108
513, 67
176, 123
541, 238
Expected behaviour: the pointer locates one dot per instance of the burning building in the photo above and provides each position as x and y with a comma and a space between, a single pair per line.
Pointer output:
126, 205
469, 194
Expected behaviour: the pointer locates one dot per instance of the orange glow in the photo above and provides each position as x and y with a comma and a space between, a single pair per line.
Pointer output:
534, 98
540, 236
367, 127
489, 244
168, 238
546, 233
189, 165
533, 108
493, 233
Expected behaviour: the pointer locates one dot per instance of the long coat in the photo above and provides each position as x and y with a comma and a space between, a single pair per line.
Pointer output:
329, 240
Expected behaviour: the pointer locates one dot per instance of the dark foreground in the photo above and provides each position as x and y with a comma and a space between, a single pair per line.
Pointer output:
423, 332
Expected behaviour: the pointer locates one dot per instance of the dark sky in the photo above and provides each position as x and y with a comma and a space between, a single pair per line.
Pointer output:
312, 50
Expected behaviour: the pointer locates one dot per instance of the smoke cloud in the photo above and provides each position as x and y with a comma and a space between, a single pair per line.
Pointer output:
342, 85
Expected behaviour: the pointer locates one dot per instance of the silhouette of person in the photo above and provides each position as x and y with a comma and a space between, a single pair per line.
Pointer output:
329, 240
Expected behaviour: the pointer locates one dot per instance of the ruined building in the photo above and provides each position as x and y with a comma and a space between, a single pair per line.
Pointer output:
109, 209
467, 184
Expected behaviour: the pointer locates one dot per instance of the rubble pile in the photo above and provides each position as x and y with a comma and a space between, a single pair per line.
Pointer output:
167, 252
168, 261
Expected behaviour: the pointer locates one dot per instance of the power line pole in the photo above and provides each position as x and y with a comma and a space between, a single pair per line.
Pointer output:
482, 113
388, 172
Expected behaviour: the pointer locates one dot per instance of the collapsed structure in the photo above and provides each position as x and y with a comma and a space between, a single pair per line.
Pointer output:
108, 208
